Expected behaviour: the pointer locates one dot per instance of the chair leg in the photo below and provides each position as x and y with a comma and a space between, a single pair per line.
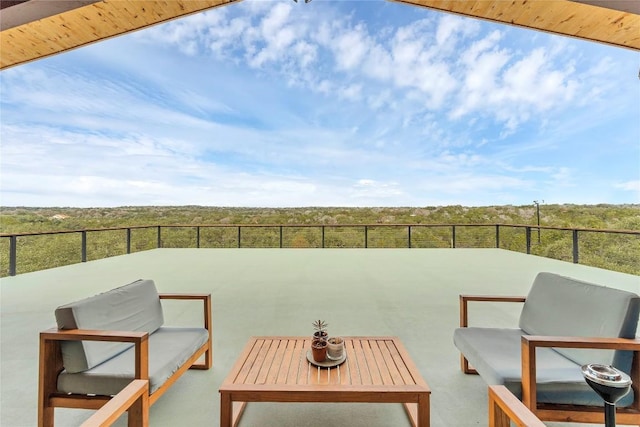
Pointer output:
208, 357
45, 416
50, 366
138, 414
497, 417
464, 366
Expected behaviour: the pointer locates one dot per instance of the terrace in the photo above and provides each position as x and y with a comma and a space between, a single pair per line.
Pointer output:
409, 293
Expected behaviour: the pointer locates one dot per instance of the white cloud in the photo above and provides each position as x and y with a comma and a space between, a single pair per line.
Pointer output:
306, 52
511, 86
371, 191
381, 99
629, 186
277, 104
378, 64
223, 36
277, 35
479, 47
351, 92
467, 183
451, 28
483, 62
351, 47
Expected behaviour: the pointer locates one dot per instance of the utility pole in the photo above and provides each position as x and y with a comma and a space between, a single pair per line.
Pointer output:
538, 216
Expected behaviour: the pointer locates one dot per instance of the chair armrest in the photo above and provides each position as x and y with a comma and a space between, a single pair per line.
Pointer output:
531, 342
464, 300
206, 300
93, 335
504, 407
134, 398
139, 339
184, 296
581, 342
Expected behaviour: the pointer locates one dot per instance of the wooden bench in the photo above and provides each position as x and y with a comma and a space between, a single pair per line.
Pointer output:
104, 342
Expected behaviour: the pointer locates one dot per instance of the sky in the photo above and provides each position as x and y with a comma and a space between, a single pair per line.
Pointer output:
328, 103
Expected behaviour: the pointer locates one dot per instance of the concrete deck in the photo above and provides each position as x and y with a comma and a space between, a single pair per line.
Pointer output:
409, 293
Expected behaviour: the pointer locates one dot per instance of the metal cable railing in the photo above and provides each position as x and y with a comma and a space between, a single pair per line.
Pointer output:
32, 251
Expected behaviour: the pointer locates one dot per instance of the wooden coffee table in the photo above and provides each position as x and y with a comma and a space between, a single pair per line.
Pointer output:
276, 369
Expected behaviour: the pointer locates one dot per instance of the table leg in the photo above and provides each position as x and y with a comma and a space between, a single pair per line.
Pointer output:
412, 413
226, 410
238, 409
424, 415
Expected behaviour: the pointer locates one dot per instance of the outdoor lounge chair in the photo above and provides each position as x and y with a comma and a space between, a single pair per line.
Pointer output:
564, 324
105, 342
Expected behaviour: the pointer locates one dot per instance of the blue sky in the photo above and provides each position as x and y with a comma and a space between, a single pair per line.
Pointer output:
330, 103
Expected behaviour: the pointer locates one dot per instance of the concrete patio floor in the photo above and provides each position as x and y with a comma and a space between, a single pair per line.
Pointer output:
409, 293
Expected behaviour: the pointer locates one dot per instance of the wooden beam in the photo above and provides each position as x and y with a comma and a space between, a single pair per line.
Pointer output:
92, 22
24, 12
586, 19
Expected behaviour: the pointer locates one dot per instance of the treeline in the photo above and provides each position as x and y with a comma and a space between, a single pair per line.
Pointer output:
618, 252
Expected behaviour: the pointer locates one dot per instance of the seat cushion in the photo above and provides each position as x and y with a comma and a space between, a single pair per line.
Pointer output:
495, 354
562, 306
133, 307
169, 348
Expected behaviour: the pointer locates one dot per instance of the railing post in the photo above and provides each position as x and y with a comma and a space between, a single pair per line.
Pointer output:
498, 236
323, 237
159, 237
83, 249
528, 234
366, 232
13, 252
409, 237
198, 237
575, 246
239, 236
128, 240
453, 236
280, 237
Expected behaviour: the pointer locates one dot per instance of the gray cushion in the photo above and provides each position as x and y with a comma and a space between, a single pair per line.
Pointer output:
133, 307
495, 354
169, 348
562, 306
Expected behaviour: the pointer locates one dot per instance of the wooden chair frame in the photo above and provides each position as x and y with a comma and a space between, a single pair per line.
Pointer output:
558, 412
51, 364
134, 399
504, 407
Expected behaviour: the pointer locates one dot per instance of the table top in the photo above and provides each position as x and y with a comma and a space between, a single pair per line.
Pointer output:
373, 364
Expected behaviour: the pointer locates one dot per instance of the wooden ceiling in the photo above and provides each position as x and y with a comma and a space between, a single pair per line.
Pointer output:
614, 22
33, 29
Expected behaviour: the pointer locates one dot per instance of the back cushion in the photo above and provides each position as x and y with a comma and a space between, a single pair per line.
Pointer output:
562, 306
133, 307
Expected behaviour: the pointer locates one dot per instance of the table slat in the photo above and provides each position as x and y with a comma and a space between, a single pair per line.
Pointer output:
400, 364
249, 362
392, 369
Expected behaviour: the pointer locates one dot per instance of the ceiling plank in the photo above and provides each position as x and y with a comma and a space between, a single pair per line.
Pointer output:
25, 11
88, 24
584, 19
